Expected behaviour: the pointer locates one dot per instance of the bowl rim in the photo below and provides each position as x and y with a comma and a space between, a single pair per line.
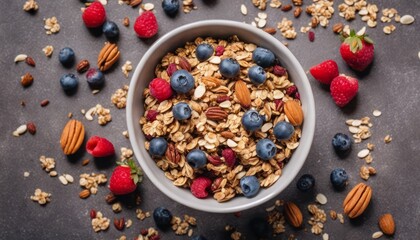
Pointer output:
309, 124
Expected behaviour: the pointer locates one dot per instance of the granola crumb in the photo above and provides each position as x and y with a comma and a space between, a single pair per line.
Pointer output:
92, 181
26, 174
364, 173
48, 50
116, 207
317, 220
188, 6
125, 134
51, 25
275, 4
119, 98
387, 139
104, 114
182, 226
100, 223
126, 68
128, 223
261, 4
47, 163
333, 214
340, 218
142, 215
287, 29
30, 6
41, 197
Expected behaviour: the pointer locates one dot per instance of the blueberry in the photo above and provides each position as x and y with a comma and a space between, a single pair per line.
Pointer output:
69, 82
229, 67
252, 121
249, 186
95, 78
199, 237
204, 51
305, 182
66, 56
257, 75
260, 227
182, 81
196, 158
110, 29
157, 147
266, 149
341, 143
181, 111
263, 57
162, 217
339, 178
170, 7
283, 130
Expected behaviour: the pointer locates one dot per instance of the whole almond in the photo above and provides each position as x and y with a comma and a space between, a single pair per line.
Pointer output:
26, 80
108, 56
227, 134
31, 128
270, 30
184, 64
216, 113
387, 224
293, 214
293, 112
357, 200
72, 137
297, 12
286, 8
83, 66
84, 194
30, 61
135, 3
242, 94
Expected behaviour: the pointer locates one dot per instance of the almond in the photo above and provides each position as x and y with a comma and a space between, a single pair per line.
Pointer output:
293, 112
84, 194
135, 3
357, 200
338, 27
108, 56
286, 8
297, 12
26, 80
387, 224
227, 134
293, 214
242, 94
270, 30
72, 136
216, 113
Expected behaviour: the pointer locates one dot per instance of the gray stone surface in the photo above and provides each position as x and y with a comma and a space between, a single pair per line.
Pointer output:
391, 85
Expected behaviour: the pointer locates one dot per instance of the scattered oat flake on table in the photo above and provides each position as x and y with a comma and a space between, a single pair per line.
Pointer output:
363, 153
103, 2
26, 174
387, 139
20, 130
41, 197
148, 6
377, 113
48, 50
51, 25
126, 68
407, 19
321, 198
244, 10
377, 234
325, 236
30, 5
20, 58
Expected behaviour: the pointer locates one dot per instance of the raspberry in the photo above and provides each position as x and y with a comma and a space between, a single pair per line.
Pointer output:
94, 16
160, 89
279, 70
171, 69
146, 25
199, 187
343, 89
99, 147
325, 72
220, 50
291, 91
230, 156
151, 115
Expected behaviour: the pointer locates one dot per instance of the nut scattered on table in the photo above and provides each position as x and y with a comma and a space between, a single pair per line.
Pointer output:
26, 80
357, 200
72, 136
108, 56
387, 224
293, 214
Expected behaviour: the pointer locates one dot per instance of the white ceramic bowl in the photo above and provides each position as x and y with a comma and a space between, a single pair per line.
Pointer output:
144, 73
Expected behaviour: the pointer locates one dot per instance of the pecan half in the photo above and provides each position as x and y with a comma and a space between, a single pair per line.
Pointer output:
172, 153
216, 113
184, 64
108, 56
83, 66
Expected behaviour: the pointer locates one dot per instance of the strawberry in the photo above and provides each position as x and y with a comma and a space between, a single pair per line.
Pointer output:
94, 16
325, 72
99, 147
343, 89
125, 177
146, 25
357, 51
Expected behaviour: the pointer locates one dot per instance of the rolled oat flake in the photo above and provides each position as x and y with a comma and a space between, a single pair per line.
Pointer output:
407, 19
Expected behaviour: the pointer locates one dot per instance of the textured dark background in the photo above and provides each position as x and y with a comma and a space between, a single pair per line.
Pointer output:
391, 85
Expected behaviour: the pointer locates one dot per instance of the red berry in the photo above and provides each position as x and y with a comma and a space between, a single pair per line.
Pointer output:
171, 69
279, 70
220, 50
325, 72
291, 91
146, 25
343, 89
99, 147
357, 51
311, 36
215, 160
124, 178
199, 187
230, 157
94, 16
151, 115
160, 89
278, 103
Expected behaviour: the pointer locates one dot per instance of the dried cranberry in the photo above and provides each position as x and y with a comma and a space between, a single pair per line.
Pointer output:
151, 115
144, 231
222, 98
291, 91
215, 160
297, 95
171, 69
311, 36
92, 213
220, 50
279, 104
279, 70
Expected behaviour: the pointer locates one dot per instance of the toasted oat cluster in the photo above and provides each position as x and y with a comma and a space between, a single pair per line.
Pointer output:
214, 131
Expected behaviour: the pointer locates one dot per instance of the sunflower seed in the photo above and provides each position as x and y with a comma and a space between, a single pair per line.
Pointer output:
20, 130
262, 23
321, 198
69, 178
63, 180
407, 19
20, 58
363, 153
376, 113
244, 10
377, 234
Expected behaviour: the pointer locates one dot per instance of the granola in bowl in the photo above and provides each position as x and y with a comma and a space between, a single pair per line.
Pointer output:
215, 125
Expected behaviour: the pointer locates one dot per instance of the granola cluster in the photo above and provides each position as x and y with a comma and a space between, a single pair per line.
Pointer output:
214, 135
